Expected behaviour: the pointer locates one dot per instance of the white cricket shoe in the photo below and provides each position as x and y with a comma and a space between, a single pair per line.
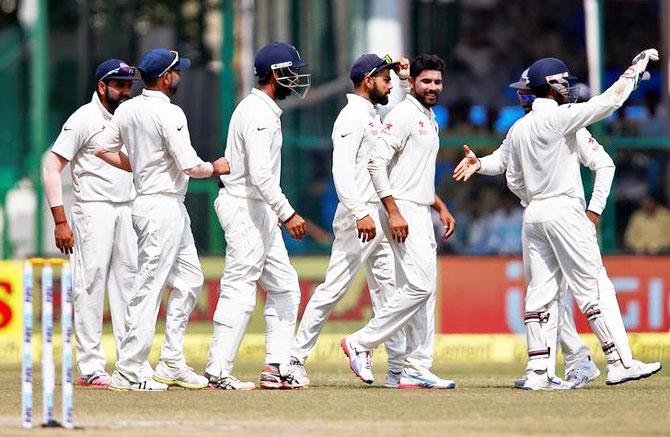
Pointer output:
411, 380
519, 383
120, 383
181, 376
360, 360
228, 383
294, 375
392, 379
540, 381
618, 374
584, 373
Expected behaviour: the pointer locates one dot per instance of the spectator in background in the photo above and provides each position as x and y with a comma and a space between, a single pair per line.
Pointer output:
648, 230
656, 123
479, 226
504, 235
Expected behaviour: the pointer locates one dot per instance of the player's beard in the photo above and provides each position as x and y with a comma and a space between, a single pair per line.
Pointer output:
282, 92
114, 102
378, 97
428, 98
174, 86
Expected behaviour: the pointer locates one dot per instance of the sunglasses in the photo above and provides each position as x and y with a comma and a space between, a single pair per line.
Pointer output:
174, 62
123, 70
388, 60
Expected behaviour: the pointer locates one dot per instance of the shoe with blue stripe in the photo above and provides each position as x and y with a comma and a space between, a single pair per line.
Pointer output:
410, 380
539, 380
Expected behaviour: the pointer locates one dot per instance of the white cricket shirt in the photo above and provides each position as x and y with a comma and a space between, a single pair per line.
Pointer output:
406, 149
355, 132
253, 150
93, 180
155, 132
544, 150
589, 152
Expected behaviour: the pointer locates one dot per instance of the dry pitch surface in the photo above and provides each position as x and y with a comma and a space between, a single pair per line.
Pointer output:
337, 404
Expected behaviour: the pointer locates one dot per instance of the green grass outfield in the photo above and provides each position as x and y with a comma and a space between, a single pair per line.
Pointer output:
337, 403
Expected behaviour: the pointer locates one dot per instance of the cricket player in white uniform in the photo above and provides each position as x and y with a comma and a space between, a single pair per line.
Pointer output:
357, 242
559, 232
250, 207
579, 366
402, 168
102, 240
155, 132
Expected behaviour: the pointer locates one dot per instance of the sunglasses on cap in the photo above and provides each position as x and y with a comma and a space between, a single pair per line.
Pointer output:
123, 70
174, 62
388, 61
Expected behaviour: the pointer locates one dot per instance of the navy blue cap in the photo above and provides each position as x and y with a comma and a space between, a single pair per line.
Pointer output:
369, 64
277, 55
114, 69
542, 70
156, 62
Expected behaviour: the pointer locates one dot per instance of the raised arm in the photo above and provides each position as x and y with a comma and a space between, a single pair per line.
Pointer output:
571, 118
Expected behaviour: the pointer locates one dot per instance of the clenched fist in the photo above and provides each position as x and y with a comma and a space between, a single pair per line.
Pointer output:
221, 166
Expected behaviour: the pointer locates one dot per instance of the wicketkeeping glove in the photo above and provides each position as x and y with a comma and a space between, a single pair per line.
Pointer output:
637, 71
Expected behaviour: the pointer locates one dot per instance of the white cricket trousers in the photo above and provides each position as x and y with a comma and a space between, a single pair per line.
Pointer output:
167, 257
104, 258
575, 351
561, 243
255, 255
348, 255
412, 306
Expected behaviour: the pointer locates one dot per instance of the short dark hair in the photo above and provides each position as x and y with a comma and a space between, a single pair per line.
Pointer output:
148, 80
542, 90
425, 62
265, 77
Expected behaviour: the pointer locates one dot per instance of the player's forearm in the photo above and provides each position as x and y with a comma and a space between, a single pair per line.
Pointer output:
201, 171
378, 169
618, 92
115, 159
389, 205
439, 205
272, 194
492, 165
344, 177
345, 185
51, 170
601, 189
58, 213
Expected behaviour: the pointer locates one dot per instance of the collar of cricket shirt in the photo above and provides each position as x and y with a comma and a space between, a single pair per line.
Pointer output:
362, 101
271, 103
105, 113
428, 112
543, 103
153, 93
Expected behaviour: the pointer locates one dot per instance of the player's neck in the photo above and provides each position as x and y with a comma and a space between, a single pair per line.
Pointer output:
158, 87
363, 93
268, 89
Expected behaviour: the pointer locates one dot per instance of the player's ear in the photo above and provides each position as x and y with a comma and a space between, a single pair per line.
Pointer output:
102, 88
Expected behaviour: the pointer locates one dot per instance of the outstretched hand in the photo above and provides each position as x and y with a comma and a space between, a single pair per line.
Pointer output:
468, 165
